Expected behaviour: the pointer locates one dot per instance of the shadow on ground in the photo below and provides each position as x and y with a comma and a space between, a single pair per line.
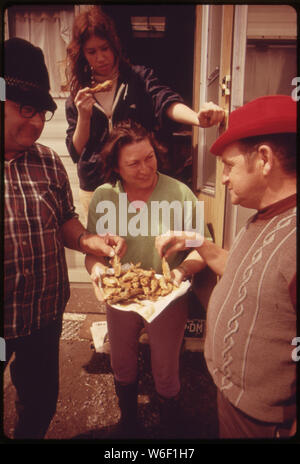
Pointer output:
87, 407
198, 398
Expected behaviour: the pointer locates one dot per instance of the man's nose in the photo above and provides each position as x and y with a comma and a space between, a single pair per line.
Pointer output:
225, 178
38, 120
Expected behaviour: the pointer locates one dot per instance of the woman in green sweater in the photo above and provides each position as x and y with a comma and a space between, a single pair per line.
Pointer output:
128, 205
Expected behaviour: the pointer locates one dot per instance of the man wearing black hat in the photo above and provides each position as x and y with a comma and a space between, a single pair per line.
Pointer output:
251, 316
39, 221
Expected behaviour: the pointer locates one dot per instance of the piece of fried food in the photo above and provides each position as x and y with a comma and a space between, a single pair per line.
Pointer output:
166, 269
135, 284
110, 281
116, 265
102, 87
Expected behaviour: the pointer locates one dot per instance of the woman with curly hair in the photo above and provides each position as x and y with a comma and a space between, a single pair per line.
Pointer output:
131, 168
95, 56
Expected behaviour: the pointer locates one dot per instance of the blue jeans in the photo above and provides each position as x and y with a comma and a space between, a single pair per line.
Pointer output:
35, 375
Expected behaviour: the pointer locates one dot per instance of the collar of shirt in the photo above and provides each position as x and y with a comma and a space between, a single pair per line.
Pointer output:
277, 208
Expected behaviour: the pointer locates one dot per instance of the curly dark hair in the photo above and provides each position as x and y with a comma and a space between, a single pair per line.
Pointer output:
86, 24
126, 133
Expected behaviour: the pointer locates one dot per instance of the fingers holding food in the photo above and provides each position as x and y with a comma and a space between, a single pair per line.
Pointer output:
117, 243
84, 99
169, 243
84, 102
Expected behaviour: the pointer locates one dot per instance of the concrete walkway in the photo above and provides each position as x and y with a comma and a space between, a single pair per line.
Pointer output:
87, 404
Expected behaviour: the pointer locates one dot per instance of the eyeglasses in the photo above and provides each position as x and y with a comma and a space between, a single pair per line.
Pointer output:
28, 111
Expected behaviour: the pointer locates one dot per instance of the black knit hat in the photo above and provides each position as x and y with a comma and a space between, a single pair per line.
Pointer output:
26, 75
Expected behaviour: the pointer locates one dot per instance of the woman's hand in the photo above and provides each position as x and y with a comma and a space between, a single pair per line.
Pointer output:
84, 102
178, 275
175, 241
210, 115
97, 270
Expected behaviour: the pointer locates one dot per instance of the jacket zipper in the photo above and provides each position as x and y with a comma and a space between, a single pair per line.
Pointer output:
116, 100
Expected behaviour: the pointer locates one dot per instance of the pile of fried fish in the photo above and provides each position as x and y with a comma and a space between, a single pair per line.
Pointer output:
134, 284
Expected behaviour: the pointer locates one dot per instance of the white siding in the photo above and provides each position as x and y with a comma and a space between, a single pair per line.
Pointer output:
276, 21
54, 136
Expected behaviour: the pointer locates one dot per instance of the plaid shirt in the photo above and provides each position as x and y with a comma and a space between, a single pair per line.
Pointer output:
38, 201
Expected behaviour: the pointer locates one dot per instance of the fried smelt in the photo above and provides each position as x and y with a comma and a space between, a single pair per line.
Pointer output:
102, 87
110, 282
116, 264
134, 284
166, 269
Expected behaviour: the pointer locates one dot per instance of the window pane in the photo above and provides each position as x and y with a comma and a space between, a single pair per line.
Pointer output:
270, 69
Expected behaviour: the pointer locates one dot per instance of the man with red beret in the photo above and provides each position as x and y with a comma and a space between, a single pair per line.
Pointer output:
251, 316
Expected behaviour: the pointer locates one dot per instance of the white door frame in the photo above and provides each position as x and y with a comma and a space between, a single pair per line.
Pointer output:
237, 100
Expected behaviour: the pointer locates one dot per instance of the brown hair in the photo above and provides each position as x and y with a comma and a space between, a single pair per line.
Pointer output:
86, 24
283, 145
126, 133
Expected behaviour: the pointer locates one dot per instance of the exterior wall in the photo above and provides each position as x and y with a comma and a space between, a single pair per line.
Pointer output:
54, 137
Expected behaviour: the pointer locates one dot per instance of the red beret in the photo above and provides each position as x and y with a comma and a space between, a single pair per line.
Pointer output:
273, 114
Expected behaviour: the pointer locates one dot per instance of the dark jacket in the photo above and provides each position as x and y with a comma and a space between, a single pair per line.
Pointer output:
140, 97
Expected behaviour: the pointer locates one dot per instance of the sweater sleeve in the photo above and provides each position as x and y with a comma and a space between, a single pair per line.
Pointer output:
72, 116
161, 95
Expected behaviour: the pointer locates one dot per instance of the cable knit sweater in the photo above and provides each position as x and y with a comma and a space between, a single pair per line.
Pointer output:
251, 317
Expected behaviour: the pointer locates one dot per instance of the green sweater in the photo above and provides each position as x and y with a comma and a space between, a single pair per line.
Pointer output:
111, 212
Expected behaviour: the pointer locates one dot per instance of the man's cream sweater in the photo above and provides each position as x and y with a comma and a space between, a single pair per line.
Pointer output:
251, 319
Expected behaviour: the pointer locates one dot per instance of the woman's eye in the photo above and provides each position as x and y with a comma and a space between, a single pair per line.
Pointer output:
149, 157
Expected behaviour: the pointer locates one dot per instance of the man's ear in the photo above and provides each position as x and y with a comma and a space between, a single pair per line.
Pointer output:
266, 158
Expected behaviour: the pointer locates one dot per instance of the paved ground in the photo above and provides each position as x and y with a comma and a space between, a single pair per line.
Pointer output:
87, 403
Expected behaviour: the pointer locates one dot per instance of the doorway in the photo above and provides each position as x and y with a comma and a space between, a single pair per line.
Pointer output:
162, 37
